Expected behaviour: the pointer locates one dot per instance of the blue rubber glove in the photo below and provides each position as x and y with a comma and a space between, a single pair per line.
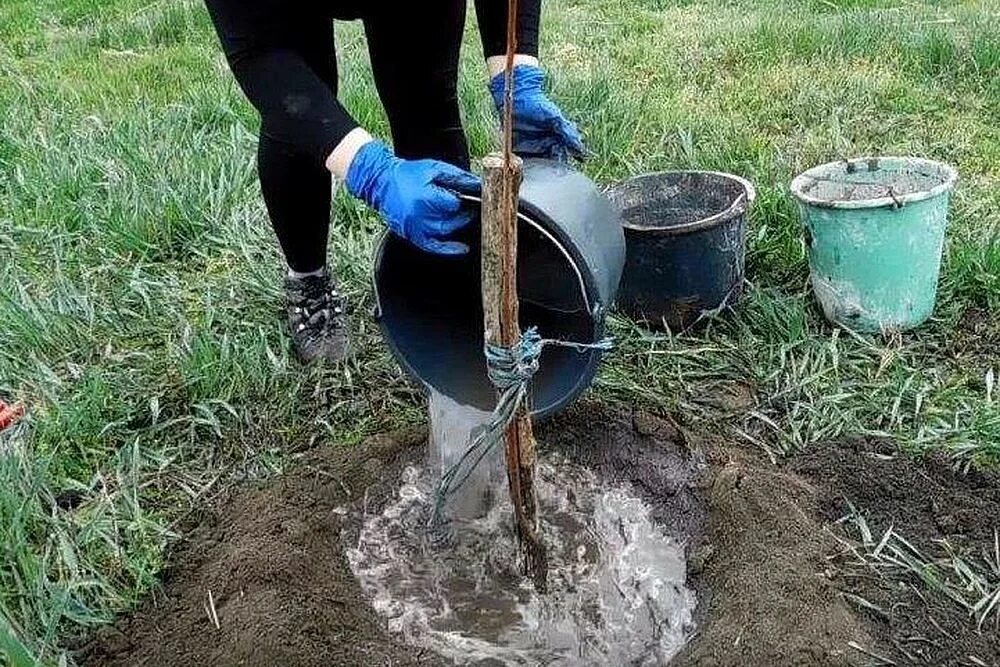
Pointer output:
540, 128
417, 198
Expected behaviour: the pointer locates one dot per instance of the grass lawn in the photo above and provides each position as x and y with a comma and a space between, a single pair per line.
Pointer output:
140, 286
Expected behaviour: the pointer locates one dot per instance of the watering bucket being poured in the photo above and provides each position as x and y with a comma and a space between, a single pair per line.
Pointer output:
570, 256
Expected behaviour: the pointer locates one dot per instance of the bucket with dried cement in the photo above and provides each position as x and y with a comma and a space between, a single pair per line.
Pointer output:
874, 228
685, 237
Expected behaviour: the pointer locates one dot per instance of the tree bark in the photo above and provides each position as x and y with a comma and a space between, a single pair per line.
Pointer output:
501, 184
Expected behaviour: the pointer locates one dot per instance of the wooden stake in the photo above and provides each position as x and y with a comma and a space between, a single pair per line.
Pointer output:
501, 183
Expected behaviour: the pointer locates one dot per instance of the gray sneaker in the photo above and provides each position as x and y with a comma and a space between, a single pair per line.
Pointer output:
317, 319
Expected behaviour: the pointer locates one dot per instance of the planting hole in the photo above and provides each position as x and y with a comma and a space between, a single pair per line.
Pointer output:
617, 580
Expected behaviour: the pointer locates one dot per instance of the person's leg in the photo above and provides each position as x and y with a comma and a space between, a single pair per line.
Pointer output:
285, 62
282, 58
414, 51
296, 187
297, 194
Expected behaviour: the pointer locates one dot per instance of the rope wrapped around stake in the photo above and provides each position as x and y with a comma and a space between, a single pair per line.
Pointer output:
511, 371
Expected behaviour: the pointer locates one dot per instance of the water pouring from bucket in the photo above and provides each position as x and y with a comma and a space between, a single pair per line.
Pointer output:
570, 252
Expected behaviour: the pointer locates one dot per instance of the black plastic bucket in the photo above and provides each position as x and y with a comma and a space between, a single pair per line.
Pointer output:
571, 250
685, 234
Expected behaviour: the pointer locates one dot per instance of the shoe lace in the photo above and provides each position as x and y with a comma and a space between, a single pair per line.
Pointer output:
322, 306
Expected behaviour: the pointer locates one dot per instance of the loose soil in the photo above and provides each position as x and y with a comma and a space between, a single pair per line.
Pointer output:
264, 581
925, 503
271, 560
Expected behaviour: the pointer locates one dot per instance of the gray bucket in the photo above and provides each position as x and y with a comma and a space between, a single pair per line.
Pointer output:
571, 250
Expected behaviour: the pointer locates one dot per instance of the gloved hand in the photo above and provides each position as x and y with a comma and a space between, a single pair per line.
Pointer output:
417, 198
540, 128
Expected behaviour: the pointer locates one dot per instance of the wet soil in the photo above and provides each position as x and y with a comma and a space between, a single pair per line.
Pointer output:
264, 580
272, 562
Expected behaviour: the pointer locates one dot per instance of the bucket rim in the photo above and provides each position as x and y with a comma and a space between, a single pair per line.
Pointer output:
737, 208
521, 215
598, 326
525, 214
948, 173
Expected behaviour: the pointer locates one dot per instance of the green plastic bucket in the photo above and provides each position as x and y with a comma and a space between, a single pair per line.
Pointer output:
875, 231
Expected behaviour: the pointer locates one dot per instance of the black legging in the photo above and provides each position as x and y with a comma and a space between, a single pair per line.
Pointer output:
283, 56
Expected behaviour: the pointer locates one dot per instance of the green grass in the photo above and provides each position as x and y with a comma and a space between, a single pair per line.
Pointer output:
140, 303
969, 580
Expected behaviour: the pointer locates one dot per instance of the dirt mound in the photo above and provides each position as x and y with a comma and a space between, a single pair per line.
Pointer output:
282, 591
926, 502
771, 598
760, 563
769, 575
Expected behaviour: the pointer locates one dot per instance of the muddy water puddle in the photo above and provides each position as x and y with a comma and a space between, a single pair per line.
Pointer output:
617, 582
